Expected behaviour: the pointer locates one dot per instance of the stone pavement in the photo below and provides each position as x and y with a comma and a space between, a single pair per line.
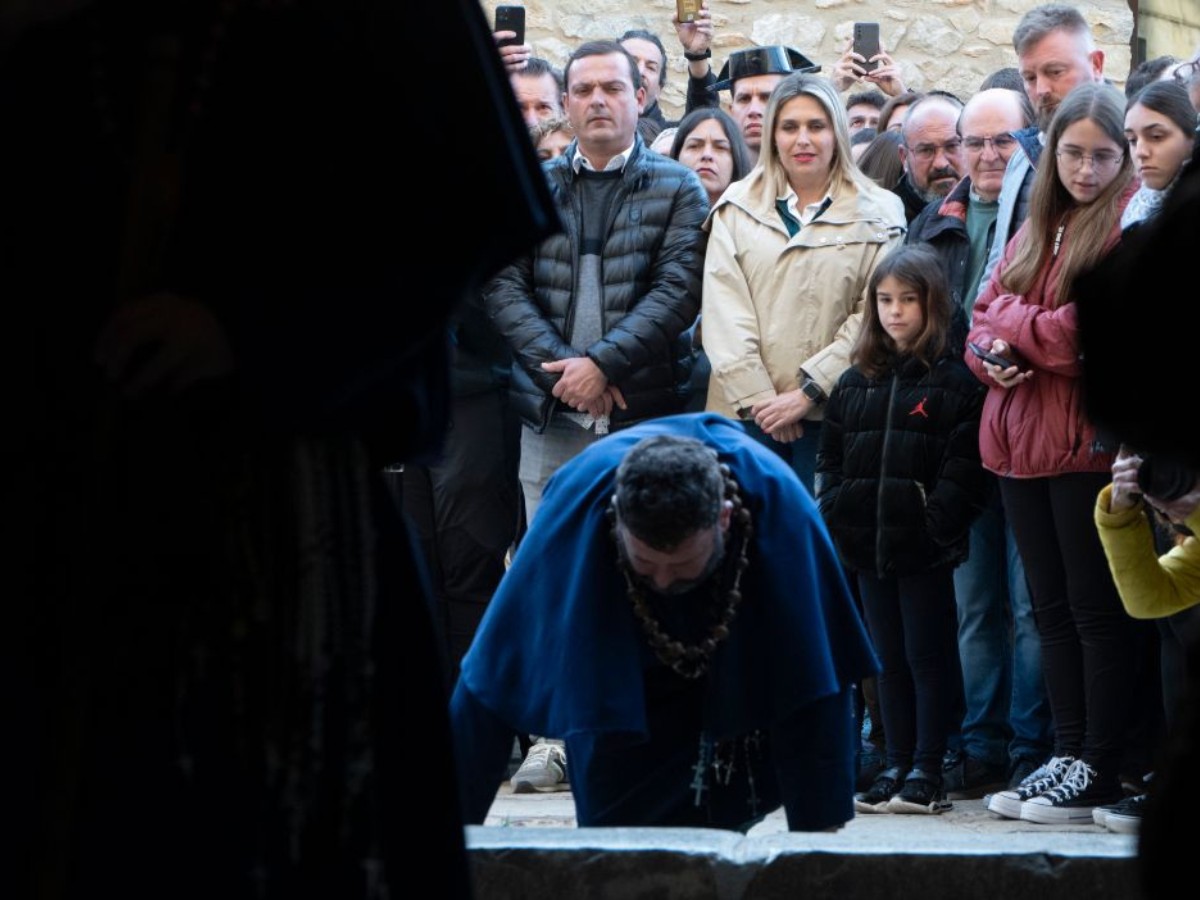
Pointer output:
530, 848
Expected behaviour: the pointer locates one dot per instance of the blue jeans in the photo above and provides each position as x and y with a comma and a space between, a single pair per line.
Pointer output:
1007, 714
801, 455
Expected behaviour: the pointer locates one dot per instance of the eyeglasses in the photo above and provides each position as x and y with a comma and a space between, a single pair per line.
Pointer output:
929, 151
1185, 72
1001, 143
1101, 159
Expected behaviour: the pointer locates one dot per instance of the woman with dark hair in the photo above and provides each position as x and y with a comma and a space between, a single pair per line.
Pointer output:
1160, 125
1037, 436
900, 482
710, 143
881, 160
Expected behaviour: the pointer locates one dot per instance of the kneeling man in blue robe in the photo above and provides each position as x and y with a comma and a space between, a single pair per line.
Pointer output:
677, 615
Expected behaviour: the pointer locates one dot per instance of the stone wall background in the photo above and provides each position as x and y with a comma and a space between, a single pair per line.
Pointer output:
948, 44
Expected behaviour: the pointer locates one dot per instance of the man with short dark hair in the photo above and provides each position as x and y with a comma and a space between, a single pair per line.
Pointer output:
862, 110
676, 613
750, 76
538, 87
696, 38
593, 315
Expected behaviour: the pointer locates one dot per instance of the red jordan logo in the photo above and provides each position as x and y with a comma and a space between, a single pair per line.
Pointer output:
919, 409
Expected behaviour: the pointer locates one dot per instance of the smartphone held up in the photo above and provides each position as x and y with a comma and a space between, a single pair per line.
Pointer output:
687, 10
510, 18
866, 43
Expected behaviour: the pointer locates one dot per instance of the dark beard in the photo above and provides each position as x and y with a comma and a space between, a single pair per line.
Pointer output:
930, 193
683, 586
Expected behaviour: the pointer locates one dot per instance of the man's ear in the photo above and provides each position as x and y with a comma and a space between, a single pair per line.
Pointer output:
903, 157
1097, 58
640, 96
726, 515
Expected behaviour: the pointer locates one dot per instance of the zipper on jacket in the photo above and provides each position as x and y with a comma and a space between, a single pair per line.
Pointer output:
883, 458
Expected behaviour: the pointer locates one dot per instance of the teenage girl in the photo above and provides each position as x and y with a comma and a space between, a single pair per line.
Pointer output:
1036, 434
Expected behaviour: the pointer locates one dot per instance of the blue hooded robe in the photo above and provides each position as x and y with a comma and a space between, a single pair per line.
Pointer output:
560, 653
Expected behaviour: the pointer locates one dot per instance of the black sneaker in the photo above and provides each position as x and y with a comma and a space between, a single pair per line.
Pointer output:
870, 764
1007, 804
1022, 768
966, 778
875, 798
1073, 799
1126, 817
922, 794
1100, 813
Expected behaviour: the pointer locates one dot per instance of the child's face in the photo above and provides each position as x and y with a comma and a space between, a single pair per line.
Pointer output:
900, 313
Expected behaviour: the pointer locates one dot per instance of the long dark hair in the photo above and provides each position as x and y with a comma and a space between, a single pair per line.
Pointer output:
917, 266
1170, 99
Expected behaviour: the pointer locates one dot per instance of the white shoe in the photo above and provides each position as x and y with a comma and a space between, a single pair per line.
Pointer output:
1007, 804
544, 769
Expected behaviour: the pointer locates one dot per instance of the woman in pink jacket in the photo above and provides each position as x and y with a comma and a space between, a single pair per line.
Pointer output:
1036, 435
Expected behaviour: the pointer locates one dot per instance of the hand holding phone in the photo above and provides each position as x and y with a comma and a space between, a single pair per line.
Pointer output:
989, 357
866, 43
510, 18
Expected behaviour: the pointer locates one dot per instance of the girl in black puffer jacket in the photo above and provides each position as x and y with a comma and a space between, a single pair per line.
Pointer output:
899, 482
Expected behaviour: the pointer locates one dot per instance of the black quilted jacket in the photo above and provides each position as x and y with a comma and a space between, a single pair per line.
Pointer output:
653, 266
898, 472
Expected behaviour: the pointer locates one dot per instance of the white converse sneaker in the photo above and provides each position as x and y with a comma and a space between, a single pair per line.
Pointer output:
1007, 804
1073, 800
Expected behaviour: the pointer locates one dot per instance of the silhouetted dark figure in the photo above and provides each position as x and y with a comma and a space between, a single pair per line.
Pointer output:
213, 357
1137, 362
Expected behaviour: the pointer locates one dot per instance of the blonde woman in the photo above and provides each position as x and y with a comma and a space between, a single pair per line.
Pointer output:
790, 250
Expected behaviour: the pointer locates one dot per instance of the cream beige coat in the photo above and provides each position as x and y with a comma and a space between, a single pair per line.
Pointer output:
774, 305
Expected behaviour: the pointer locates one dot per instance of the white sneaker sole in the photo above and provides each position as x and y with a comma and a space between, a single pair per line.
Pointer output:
1004, 807
1044, 814
528, 787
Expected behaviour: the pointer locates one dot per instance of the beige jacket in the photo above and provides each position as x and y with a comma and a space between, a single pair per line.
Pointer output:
774, 305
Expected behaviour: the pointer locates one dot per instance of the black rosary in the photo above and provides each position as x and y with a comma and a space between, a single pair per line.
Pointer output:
692, 660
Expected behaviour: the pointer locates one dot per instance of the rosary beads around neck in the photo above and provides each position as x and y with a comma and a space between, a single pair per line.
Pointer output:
691, 661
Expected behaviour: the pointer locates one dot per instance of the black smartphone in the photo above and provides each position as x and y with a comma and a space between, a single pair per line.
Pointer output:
989, 357
866, 43
510, 18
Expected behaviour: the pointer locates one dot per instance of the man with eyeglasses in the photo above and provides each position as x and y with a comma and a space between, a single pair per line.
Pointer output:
931, 152
1005, 725
1055, 53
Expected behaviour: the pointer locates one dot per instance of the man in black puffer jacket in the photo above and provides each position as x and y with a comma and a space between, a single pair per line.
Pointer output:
594, 314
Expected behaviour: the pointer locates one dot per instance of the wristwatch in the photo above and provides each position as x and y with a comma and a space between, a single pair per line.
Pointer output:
813, 391
696, 57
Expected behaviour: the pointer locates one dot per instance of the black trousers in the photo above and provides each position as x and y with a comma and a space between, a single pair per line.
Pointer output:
913, 624
466, 511
1088, 640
